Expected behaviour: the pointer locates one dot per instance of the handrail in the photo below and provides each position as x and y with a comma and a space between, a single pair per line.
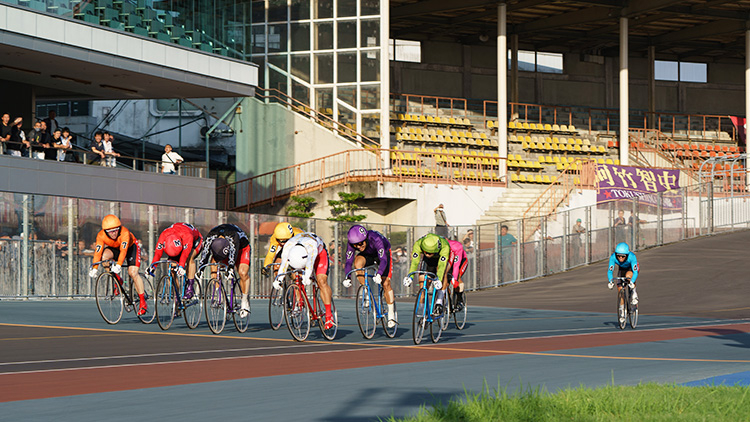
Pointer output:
321, 118
362, 165
557, 192
692, 117
652, 145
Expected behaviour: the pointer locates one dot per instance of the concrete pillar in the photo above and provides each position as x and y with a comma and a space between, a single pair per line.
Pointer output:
651, 86
514, 67
385, 88
502, 87
624, 105
747, 99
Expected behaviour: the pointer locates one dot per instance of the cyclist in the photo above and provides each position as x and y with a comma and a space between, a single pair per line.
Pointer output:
182, 243
459, 262
116, 242
228, 244
373, 248
308, 251
281, 233
431, 253
628, 268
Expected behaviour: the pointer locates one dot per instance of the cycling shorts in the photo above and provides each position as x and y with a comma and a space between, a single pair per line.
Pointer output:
132, 256
244, 257
373, 260
461, 271
429, 265
321, 263
622, 272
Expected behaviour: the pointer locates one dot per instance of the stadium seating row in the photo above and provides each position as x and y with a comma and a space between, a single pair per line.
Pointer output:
436, 120
544, 146
439, 132
441, 139
539, 179
534, 127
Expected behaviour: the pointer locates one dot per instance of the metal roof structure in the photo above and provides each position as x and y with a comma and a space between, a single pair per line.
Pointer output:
696, 30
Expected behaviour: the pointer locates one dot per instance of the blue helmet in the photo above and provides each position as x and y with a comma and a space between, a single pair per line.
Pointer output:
622, 249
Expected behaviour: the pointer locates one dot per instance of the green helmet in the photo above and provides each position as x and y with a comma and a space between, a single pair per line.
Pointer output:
431, 243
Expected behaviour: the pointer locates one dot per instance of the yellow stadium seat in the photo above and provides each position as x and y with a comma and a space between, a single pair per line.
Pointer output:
546, 180
602, 149
617, 161
571, 128
609, 161
585, 142
578, 148
579, 141
514, 177
430, 119
525, 125
577, 181
422, 118
522, 178
585, 148
538, 179
563, 128
556, 128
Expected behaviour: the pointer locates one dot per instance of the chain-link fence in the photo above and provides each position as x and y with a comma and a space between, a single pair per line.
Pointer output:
47, 242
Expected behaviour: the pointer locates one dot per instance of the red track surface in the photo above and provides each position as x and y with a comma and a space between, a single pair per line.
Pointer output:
68, 382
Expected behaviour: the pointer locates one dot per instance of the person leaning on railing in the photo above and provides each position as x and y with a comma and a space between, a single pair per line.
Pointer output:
170, 160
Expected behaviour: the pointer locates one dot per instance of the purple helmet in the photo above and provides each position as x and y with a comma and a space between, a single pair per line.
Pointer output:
357, 234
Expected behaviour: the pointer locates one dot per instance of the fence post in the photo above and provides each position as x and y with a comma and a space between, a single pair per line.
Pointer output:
660, 219
151, 229
497, 249
71, 243
24, 287
520, 256
254, 287
473, 259
587, 246
564, 250
710, 207
610, 227
700, 209
336, 277
542, 260
683, 234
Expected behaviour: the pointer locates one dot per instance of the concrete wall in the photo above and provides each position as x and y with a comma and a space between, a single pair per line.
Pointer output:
25, 175
453, 70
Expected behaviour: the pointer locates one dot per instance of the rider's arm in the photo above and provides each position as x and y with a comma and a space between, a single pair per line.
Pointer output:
159, 248
273, 249
611, 268
206, 251
187, 247
445, 253
284, 260
349, 258
416, 255
456, 264
382, 250
125, 240
312, 253
99, 249
634, 265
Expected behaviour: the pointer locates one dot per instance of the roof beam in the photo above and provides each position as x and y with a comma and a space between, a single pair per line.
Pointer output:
706, 12
591, 14
631, 24
701, 31
437, 6
639, 7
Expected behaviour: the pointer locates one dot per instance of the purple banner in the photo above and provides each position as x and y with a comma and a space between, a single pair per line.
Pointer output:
622, 182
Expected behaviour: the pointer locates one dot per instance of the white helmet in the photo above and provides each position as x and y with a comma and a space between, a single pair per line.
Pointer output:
298, 257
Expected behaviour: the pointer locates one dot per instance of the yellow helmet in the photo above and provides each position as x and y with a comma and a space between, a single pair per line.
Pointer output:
283, 231
110, 222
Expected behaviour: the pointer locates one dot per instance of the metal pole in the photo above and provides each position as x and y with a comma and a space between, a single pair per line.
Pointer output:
660, 219
473, 259
179, 131
151, 229
566, 227
254, 287
624, 105
336, 234
710, 223
587, 251
24, 290
747, 99
502, 86
497, 250
215, 125
71, 243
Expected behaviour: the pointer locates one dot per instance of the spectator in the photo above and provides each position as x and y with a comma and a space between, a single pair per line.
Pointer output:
51, 122
97, 147
441, 224
111, 160
34, 138
5, 129
507, 245
577, 242
17, 146
634, 220
57, 143
619, 225
64, 144
468, 241
46, 142
170, 160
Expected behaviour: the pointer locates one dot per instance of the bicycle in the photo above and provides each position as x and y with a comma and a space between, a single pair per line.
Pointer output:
424, 306
628, 311
275, 300
298, 308
218, 304
370, 308
111, 303
171, 301
459, 315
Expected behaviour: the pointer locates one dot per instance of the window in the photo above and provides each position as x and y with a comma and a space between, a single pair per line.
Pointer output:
680, 71
538, 61
405, 51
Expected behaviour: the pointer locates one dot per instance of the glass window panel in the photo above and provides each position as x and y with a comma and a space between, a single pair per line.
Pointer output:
300, 92
405, 51
324, 68
348, 94
347, 34
370, 33
549, 62
370, 66
258, 11
324, 9
665, 70
300, 36
348, 120
300, 10
277, 11
258, 39
369, 7
324, 36
279, 61
370, 97
324, 101
277, 80
277, 38
371, 125
693, 72
346, 8
260, 61
526, 61
301, 66
347, 67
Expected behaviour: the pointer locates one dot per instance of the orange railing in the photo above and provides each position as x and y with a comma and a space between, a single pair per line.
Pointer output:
709, 127
276, 96
558, 191
362, 165
419, 104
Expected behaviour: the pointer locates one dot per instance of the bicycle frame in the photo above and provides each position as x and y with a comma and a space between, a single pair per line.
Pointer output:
108, 264
177, 283
229, 274
429, 278
368, 276
296, 276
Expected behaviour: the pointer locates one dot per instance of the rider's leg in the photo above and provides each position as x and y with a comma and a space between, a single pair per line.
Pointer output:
634, 294
359, 262
244, 272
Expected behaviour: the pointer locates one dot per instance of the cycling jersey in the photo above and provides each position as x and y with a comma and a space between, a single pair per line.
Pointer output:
317, 254
275, 246
631, 263
440, 259
124, 241
377, 246
458, 260
239, 244
190, 240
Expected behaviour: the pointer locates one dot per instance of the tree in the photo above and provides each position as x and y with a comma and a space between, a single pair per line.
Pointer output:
302, 207
344, 209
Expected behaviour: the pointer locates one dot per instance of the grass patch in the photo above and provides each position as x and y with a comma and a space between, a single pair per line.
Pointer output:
645, 402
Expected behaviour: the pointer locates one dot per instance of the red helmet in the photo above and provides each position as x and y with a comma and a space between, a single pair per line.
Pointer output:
173, 245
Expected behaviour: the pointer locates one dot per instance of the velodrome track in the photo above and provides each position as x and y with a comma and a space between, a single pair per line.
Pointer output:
59, 360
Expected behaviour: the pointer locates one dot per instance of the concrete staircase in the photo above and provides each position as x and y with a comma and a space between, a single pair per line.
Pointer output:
512, 204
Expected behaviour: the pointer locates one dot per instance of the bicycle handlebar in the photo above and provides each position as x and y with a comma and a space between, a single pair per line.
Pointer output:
427, 275
164, 261
220, 266
365, 269
108, 261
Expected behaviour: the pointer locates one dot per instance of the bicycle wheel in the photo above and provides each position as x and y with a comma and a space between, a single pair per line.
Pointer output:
444, 319
436, 326
148, 294
275, 308
165, 302
419, 318
365, 309
390, 332
215, 301
240, 323
329, 333
459, 313
632, 313
622, 297
109, 298
296, 314
193, 307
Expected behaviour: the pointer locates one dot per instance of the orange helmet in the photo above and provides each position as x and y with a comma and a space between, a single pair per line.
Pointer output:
110, 222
